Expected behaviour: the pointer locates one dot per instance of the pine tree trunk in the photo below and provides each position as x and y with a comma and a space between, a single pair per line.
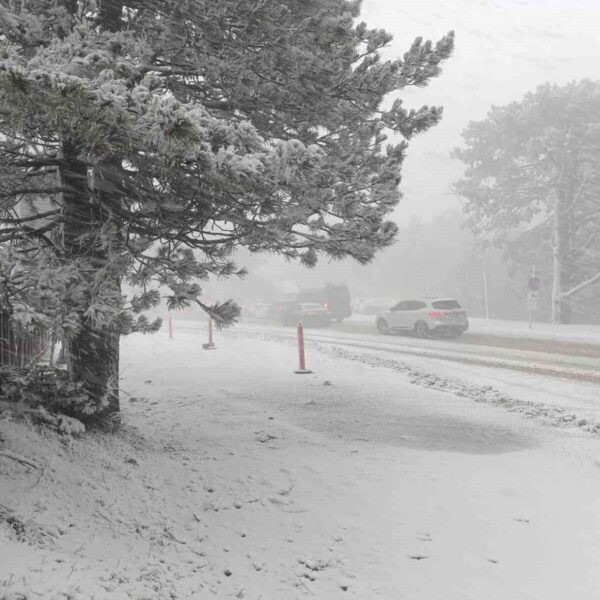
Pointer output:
94, 351
560, 308
94, 360
110, 14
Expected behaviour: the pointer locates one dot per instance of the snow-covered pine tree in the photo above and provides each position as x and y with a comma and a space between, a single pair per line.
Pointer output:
532, 181
168, 133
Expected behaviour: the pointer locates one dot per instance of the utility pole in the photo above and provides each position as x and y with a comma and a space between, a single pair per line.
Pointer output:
485, 286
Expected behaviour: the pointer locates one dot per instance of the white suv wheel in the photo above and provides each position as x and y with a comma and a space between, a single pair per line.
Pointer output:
421, 329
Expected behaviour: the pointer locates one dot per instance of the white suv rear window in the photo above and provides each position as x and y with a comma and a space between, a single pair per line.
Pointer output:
445, 304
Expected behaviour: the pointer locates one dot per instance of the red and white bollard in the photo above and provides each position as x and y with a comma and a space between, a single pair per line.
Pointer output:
301, 356
210, 345
170, 326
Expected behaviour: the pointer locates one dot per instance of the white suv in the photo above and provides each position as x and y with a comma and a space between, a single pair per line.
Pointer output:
424, 317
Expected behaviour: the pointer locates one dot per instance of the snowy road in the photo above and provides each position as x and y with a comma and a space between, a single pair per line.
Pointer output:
566, 360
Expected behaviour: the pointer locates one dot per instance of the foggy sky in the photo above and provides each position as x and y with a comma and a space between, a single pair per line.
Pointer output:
504, 48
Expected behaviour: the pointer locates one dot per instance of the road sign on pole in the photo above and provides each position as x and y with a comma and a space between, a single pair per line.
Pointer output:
532, 300
534, 283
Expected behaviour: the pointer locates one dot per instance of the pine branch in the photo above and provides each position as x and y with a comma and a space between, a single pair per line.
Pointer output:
43, 215
31, 191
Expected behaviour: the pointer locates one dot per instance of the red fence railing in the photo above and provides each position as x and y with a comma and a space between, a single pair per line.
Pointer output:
18, 349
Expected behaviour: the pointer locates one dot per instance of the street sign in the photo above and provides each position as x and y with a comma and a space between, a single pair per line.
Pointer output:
532, 300
534, 283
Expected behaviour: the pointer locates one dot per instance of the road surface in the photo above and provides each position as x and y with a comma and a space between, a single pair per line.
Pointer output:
554, 358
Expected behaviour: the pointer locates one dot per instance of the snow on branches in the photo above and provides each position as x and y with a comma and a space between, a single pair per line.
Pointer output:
166, 134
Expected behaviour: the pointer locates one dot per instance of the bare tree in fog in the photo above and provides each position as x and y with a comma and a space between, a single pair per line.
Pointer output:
532, 181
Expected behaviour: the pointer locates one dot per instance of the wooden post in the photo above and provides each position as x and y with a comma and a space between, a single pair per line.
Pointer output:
301, 354
210, 345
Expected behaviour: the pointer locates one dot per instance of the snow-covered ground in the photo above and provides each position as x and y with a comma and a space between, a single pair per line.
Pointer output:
233, 477
576, 333
588, 334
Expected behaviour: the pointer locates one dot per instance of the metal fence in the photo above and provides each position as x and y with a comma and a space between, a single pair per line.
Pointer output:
18, 349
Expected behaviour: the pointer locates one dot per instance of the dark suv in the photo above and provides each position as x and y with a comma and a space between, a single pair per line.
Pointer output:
334, 298
309, 313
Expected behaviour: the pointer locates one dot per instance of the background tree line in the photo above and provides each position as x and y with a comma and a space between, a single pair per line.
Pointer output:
532, 187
